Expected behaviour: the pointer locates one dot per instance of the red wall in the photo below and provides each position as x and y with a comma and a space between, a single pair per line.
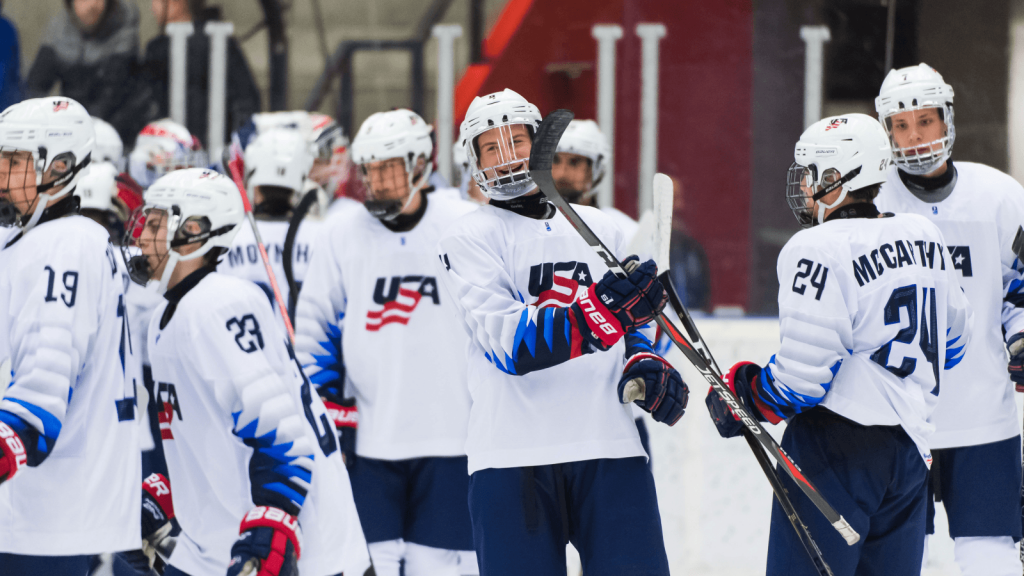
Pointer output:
704, 104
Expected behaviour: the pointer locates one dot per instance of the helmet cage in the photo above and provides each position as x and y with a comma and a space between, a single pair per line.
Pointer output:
510, 177
909, 158
41, 164
805, 188
390, 208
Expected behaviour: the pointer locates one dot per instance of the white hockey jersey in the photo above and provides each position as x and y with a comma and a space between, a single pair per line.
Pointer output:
371, 308
64, 332
245, 429
539, 397
244, 261
871, 317
978, 220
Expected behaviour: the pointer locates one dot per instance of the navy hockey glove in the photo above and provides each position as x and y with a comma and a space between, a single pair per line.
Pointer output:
614, 306
1015, 345
267, 545
742, 381
12, 453
157, 525
665, 394
345, 415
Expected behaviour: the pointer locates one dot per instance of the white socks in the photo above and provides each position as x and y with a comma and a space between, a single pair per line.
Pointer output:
421, 560
987, 556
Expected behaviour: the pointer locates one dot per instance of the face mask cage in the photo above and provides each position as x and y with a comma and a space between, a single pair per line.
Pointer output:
149, 166
923, 157
508, 172
22, 169
141, 266
390, 185
805, 191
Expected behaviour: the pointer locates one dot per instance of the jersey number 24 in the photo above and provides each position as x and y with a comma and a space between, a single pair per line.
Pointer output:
906, 297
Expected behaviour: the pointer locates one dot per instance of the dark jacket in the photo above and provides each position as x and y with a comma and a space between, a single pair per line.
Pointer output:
150, 101
93, 68
10, 64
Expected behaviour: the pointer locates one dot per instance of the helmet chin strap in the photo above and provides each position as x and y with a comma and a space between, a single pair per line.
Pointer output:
165, 278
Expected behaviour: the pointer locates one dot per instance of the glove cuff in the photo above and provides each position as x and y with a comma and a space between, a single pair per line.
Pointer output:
275, 519
599, 319
632, 360
742, 380
1014, 344
159, 488
12, 452
344, 415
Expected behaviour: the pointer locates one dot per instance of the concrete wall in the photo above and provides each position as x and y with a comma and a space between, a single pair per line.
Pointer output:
382, 78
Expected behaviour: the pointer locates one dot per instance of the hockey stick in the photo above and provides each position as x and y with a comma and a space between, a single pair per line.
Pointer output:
541, 158
663, 196
235, 168
287, 259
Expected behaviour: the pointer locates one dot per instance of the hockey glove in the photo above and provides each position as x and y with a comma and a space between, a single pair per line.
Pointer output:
267, 545
665, 393
157, 525
742, 381
12, 453
614, 306
345, 415
1015, 345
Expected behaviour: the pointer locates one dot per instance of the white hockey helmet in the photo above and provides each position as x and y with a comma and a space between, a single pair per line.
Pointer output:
394, 134
109, 147
277, 157
844, 153
188, 195
916, 88
98, 186
461, 162
499, 110
164, 146
51, 129
584, 137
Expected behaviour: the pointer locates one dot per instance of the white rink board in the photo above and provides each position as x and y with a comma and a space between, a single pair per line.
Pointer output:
715, 502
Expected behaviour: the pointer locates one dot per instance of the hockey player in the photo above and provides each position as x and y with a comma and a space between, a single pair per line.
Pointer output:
162, 147
258, 478
375, 333
69, 460
108, 199
276, 164
552, 451
871, 316
109, 147
976, 472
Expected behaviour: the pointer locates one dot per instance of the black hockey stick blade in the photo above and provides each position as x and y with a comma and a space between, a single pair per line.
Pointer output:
1018, 249
551, 129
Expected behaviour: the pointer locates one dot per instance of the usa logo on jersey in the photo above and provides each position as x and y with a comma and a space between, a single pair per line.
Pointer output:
556, 283
397, 298
167, 400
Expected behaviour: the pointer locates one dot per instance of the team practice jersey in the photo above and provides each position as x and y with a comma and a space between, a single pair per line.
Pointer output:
244, 260
871, 316
71, 395
371, 309
539, 396
242, 428
978, 220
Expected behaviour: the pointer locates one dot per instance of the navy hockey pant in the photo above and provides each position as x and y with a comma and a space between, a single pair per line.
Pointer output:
19, 565
608, 509
980, 487
873, 476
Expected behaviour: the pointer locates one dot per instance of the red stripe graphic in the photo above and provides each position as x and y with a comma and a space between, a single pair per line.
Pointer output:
398, 311
164, 417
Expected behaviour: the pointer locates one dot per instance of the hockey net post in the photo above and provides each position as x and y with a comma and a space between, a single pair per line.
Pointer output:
545, 144
235, 168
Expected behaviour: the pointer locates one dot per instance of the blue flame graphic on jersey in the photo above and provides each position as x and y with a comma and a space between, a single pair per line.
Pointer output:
328, 366
553, 287
785, 402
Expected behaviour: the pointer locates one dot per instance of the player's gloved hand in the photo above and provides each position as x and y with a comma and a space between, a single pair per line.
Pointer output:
614, 306
345, 415
665, 394
157, 525
12, 453
741, 380
1015, 345
267, 545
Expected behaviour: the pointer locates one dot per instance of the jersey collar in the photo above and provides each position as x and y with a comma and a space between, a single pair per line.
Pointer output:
174, 295
66, 206
858, 210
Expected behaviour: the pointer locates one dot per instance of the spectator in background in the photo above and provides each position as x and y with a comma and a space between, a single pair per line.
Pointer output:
689, 263
151, 100
10, 63
90, 49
